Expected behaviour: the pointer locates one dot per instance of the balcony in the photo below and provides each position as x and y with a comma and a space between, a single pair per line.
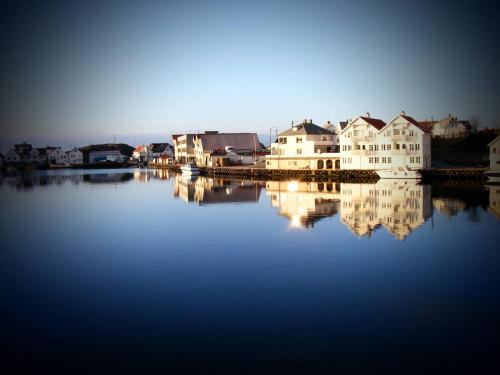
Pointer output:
362, 138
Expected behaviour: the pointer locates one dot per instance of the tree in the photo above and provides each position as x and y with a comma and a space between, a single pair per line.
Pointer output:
475, 121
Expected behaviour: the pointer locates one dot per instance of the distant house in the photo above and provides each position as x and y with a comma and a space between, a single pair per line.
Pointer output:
451, 127
158, 149
213, 148
23, 150
305, 146
75, 156
107, 152
55, 155
141, 153
495, 154
12, 156
38, 155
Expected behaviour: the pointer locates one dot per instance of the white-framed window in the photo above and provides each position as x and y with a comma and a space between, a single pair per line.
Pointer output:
370, 160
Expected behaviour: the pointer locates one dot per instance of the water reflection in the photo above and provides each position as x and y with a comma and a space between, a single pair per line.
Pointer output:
209, 190
304, 203
494, 206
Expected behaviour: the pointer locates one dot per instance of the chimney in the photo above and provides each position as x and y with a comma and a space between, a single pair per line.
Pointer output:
402, 113
449, 114
368, 114
310, 121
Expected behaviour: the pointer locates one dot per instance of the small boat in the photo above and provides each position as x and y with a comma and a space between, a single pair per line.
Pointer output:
190, 169
399, 173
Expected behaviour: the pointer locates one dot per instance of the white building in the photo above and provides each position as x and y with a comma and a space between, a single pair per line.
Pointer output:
358, 143
495, 154
75, 156
370, 144
12, 156
101, 156
38, 155
450, 127
55, 155
403, 142
184, 147
305, 146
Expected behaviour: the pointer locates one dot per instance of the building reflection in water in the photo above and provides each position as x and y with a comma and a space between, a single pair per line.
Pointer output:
209, 190
494, 206
304, 203
398, 205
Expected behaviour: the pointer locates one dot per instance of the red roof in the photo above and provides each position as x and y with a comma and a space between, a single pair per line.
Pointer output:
375, 122
422, 127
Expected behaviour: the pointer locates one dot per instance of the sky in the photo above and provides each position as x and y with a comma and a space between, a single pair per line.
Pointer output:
92, 71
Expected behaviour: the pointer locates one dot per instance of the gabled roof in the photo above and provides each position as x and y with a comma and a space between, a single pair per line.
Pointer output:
240, 141
412, 121
159, 147
447, 121
425, 129
306, 129
493, 141
376, 123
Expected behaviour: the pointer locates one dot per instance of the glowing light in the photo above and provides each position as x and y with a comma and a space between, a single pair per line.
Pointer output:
293, 186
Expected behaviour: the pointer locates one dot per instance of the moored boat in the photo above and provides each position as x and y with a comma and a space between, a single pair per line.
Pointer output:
398, 173
190, 169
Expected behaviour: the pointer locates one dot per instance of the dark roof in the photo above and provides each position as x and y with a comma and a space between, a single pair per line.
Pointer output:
240, 141
159, 147
375, 122
305, 129
424, 128
343, 124
122, 147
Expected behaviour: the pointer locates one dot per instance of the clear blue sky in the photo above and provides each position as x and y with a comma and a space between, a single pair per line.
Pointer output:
88, 70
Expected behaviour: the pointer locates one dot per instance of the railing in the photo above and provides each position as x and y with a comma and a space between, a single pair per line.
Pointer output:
399, 137
362, 138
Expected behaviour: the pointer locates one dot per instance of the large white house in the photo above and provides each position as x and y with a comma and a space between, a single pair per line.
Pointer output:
495, 154
358, 143
305, 146
75, 156
370, 144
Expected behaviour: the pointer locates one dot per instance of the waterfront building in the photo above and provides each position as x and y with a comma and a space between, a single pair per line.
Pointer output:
184, 148
494, 206
141, 153
75, 156
305, 146
23, 150
495, 154
55, 155
403, 142
358, 143
451, 127
158, 149
106, 155
304, 203
12, 156
219, 149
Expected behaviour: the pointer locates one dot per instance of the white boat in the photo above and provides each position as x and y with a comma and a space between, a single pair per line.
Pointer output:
190, 169
398, 173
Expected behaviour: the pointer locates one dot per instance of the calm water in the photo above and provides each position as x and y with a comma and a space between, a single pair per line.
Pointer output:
132, 270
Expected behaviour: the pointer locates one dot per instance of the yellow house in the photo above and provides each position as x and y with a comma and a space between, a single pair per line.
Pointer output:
305, 146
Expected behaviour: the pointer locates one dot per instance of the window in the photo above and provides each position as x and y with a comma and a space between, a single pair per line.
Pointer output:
371, 147
376, 160
397, 146
418, 159
349, 148
376, 147
389, 160
389, 147
411, 147
384, 160
412, 160
388, 133
417, 146
299, 151
282, 140
383, 147
370, 160
299, 140
403, 146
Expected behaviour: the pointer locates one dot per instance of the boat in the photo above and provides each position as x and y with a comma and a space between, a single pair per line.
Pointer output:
399, 173
190, 169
